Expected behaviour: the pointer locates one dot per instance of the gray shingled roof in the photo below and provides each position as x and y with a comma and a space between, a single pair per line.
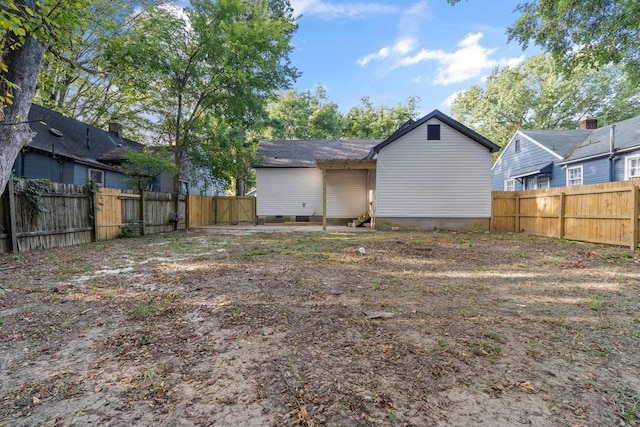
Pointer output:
532, 170
627, 135
78, 141
561, 142
304, 153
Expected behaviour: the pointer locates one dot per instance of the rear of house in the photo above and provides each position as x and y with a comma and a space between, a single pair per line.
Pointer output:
434, 174
430, 174
291, 188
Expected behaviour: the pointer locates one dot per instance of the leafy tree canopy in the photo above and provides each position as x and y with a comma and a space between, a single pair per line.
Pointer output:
220, 59
537, 95
580, 33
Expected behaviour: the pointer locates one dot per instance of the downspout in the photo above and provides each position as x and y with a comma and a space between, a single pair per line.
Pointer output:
612, 153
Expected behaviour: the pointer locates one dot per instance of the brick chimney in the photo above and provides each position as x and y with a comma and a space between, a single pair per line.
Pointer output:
588, 123
115, 127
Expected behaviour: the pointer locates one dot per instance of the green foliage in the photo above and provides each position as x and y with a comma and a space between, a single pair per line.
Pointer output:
365, 121
74, 79
304, 115
143, 166
537, 95
44, 20
32, 190
219, 60
590, 33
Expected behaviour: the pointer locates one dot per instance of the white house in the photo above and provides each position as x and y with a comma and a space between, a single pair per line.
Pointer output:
433, 173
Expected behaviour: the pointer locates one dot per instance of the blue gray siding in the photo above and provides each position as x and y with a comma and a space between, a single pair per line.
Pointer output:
530, 154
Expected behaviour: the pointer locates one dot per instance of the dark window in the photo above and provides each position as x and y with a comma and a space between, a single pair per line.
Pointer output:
433, 132
517, 145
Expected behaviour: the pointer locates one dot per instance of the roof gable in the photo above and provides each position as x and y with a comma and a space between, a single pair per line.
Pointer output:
436, 114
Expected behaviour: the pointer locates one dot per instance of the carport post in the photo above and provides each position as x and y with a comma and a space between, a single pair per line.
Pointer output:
324, 199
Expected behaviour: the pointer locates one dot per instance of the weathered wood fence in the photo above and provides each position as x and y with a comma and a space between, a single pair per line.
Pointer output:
600, 213
76, 214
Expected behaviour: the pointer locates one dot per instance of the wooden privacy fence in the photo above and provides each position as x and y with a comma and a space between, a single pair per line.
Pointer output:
72, 215
65, 219
205, 210
119, 211
79, 214
600, 213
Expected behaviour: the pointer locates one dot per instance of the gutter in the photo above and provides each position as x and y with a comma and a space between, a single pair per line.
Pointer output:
598, 156
612, 153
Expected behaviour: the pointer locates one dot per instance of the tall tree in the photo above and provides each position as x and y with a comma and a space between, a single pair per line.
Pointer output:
76, 82
366, 121
221, 59
581, 33
537, 95
304, 115
590, 33
27, 28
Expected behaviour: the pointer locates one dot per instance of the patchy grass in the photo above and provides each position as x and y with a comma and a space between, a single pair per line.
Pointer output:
429, 328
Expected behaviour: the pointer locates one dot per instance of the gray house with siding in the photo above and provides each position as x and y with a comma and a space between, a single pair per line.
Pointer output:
68, 151
539, 159
430, 173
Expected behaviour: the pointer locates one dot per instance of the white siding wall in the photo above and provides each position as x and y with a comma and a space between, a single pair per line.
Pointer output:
434, 179
346, 193
282, 191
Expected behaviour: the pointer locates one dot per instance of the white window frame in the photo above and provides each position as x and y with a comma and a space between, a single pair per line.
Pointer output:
530, 179
543, 178
90, 178
576, 179
510, 184
536, 181
628, 168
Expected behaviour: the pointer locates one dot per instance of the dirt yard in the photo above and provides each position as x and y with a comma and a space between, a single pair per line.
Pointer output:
302, 329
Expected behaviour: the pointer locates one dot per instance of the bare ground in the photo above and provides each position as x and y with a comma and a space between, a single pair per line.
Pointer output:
301, 329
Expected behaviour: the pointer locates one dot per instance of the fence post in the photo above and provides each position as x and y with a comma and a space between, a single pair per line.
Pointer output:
187, 211
143, 202
517, 221
493, 202
561, 216
93, 206
634, 218
13, 225
255, 210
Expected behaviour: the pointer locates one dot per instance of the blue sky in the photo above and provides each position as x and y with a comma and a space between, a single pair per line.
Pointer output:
390, 50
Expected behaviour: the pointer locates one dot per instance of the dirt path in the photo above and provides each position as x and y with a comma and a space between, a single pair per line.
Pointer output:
301, 329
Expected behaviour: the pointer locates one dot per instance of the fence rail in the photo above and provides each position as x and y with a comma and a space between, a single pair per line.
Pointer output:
74, 215
600, 213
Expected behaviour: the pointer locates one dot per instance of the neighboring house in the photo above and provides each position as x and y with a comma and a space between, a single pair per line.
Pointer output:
430, 173
539, 159
608, 154
68, 151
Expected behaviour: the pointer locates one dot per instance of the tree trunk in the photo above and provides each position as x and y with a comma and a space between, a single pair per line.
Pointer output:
241, 188
24, 64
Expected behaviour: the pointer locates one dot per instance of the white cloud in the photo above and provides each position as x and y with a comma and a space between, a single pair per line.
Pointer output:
413, 19
351, 10
469, 61
402, 47
448, 102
